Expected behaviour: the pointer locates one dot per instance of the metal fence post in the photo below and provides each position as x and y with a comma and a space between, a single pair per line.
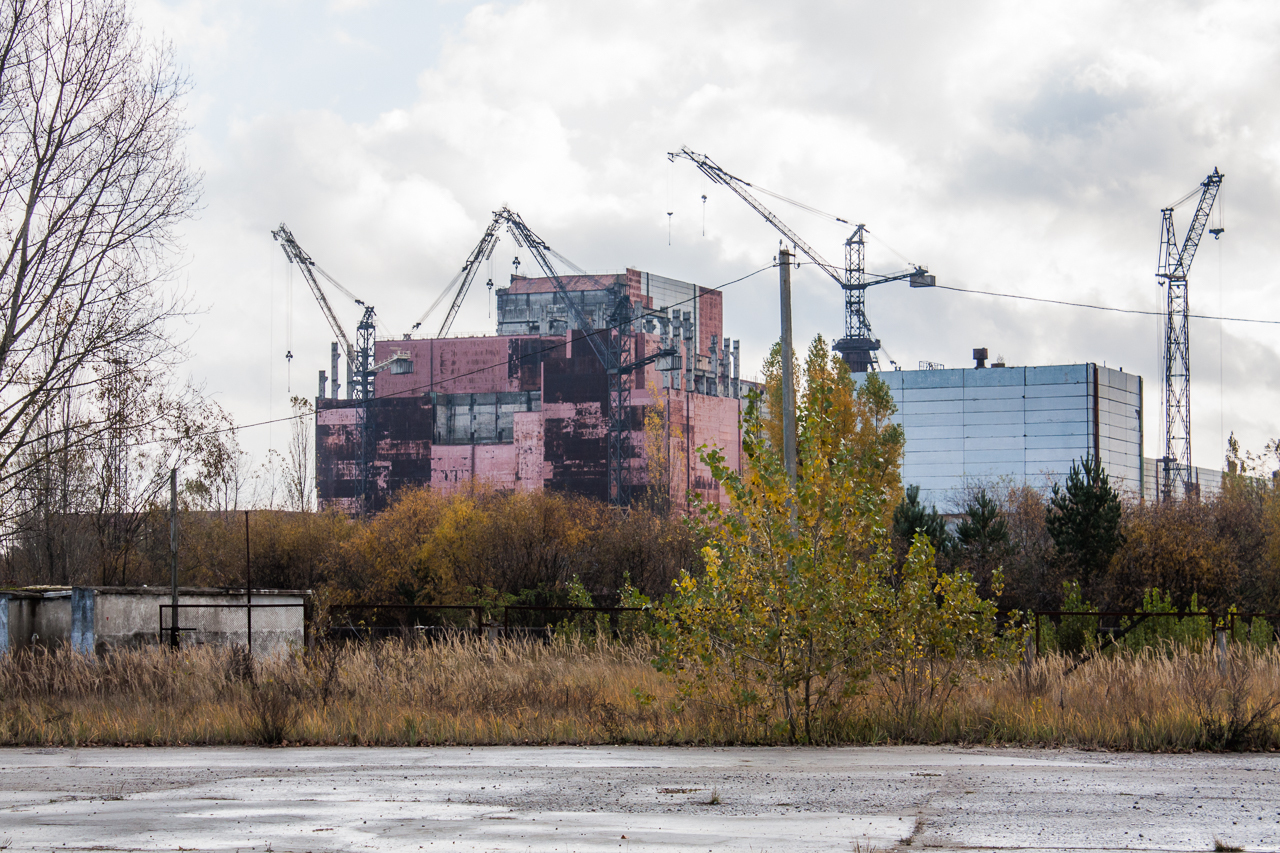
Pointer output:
1222, 650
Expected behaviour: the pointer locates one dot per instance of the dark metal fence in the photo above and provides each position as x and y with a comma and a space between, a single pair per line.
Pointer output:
248, 609
1116, 630
366, 621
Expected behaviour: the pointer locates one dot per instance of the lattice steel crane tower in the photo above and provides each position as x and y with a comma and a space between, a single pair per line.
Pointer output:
1174, 265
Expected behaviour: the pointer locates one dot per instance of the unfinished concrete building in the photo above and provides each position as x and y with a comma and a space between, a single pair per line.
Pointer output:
528, 408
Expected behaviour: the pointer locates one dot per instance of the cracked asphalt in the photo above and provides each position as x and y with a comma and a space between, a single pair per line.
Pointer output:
634, 799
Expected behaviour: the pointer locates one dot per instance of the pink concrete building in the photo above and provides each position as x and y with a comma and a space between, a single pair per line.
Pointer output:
527, 409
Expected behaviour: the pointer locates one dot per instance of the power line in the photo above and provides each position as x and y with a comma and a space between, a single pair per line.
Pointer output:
497, 364
1104, 307
1087, 305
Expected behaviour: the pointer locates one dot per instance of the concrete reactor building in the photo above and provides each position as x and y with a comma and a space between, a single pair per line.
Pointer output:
1022, 425
528, 408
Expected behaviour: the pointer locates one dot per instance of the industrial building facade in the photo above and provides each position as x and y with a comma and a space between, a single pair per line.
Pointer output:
527, 409
1016, 424
1023, 425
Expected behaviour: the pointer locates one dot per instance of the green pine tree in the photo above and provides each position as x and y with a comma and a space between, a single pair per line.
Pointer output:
984, 532
910, 517
1084, 521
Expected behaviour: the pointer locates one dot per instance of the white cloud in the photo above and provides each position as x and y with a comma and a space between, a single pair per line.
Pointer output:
1014, 147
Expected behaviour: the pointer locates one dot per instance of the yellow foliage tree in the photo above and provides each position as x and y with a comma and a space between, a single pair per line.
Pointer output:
794, 607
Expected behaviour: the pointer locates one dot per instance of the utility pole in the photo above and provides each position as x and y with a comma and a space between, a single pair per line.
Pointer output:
788, 380
174, 636
248, 589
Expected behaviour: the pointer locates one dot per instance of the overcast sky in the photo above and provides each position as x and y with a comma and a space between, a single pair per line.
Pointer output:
1018, 147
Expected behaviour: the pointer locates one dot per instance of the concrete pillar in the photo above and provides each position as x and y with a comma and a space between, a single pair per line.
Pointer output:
82, 615
4, 623
334, 385
737, 387
714, 379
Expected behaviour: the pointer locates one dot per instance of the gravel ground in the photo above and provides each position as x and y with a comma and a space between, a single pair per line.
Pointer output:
641, 799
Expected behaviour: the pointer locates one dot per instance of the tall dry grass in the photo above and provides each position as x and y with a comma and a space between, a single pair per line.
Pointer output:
466, 691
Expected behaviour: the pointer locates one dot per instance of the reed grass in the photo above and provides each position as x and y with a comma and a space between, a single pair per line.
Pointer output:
590, 691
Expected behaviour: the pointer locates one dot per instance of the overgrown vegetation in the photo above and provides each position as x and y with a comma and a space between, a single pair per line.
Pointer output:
425, 549
801, 600
1088, 541
829, 608
579, 691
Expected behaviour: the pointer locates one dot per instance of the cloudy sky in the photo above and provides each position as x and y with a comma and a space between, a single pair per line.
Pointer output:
1025, 148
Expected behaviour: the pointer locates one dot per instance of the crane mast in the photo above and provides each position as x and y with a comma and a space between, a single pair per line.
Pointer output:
1174, 266
359, 378
859, 345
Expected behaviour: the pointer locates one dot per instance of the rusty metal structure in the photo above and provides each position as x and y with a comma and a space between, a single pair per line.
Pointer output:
538, 405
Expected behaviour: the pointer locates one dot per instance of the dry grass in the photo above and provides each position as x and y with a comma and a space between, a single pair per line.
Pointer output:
464, 691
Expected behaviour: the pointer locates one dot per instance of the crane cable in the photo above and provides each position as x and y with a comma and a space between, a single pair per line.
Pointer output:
822, 214
288, 331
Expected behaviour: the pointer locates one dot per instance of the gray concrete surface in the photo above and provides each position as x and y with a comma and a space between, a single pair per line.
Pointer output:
633, 799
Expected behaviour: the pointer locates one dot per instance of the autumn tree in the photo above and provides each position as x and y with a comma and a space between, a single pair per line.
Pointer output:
661, 432
1174, 547
794, 605
300, 474
1033, 579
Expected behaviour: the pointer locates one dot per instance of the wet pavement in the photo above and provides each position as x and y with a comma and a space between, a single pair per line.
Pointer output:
633, 799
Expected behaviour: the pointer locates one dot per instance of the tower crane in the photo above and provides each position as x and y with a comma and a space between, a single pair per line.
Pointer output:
360, 367
859, 346
359, 381
1174, 265
461, 282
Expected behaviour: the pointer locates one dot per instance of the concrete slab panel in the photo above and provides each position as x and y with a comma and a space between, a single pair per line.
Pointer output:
587, 799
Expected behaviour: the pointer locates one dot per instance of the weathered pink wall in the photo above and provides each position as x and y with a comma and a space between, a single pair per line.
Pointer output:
559, 445
457, 365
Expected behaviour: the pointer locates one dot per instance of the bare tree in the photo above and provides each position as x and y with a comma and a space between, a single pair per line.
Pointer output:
93, 181
300, 474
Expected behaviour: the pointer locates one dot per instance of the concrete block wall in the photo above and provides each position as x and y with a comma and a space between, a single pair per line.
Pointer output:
94, 620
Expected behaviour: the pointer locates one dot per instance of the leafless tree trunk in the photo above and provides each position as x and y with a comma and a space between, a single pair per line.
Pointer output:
93, 181
301, 480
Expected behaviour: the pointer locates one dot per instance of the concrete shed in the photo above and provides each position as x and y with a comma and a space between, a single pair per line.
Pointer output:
99, 619
35, 616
